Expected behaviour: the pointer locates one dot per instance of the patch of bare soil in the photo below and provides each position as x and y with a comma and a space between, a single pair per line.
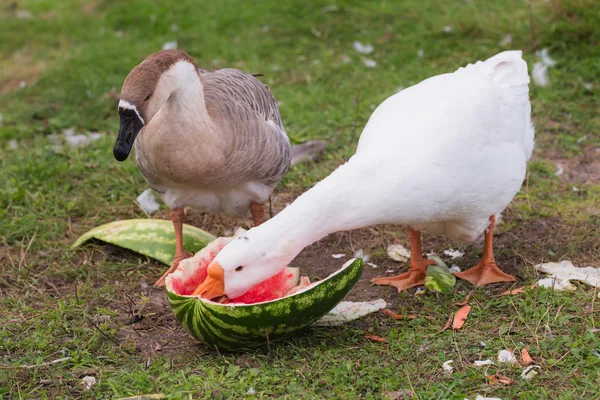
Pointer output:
18, 72
148, 325
582, 169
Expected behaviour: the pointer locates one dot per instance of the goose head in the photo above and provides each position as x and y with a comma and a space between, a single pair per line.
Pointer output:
244, 263
146, 89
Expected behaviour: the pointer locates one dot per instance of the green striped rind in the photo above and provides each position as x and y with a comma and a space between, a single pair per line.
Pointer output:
439, 278
154, 238
248, 326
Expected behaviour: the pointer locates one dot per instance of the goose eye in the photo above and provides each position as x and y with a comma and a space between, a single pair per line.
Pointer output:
238, 269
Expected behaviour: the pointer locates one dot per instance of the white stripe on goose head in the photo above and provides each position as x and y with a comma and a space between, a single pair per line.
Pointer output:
128, 106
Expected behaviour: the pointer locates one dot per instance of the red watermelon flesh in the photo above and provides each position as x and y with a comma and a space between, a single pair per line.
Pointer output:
271, 289
191, 272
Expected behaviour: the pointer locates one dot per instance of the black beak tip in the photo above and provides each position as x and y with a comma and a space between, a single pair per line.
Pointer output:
120, 154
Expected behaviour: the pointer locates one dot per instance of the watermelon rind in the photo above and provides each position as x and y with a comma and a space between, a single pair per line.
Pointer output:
439, 278
154, 238
250, 326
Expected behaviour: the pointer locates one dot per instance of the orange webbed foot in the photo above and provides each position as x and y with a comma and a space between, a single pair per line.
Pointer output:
485, 273
415, 276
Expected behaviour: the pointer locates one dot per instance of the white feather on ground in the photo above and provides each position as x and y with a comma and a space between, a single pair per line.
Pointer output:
147, 202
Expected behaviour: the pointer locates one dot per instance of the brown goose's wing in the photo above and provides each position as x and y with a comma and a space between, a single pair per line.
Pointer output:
248, 118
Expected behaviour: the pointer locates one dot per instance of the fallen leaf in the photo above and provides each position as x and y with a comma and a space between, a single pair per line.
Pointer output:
460, 317
392, 314
506, 356
493, 379
525, 357
385, 38
447, 324
465, 301
447, 367
375, 338
517, 291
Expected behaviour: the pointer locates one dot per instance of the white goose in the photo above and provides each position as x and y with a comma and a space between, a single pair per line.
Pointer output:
444, 156
210, 140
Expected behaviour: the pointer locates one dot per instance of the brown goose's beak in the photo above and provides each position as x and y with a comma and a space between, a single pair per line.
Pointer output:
214, 285
129, 128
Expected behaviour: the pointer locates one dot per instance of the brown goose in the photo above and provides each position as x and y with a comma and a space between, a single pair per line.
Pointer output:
209, 140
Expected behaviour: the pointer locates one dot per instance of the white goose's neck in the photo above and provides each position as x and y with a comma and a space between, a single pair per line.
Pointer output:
335, 204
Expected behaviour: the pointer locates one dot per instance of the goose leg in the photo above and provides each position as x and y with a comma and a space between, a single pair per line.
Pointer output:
418, 267
177, 216
486, 271
258, 213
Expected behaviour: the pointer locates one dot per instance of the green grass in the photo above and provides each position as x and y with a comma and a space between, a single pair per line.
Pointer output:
54, 302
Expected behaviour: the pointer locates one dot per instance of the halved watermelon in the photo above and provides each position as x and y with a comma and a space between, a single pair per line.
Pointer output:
240, 326
191, 272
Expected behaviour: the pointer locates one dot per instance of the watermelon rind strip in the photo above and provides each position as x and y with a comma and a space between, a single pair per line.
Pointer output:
154, 238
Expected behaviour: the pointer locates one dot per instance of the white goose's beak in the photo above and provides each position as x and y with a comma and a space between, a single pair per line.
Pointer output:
214, 284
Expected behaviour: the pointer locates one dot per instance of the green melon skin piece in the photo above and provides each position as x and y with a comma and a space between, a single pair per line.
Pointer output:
154, 238
241, 327
439, 278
